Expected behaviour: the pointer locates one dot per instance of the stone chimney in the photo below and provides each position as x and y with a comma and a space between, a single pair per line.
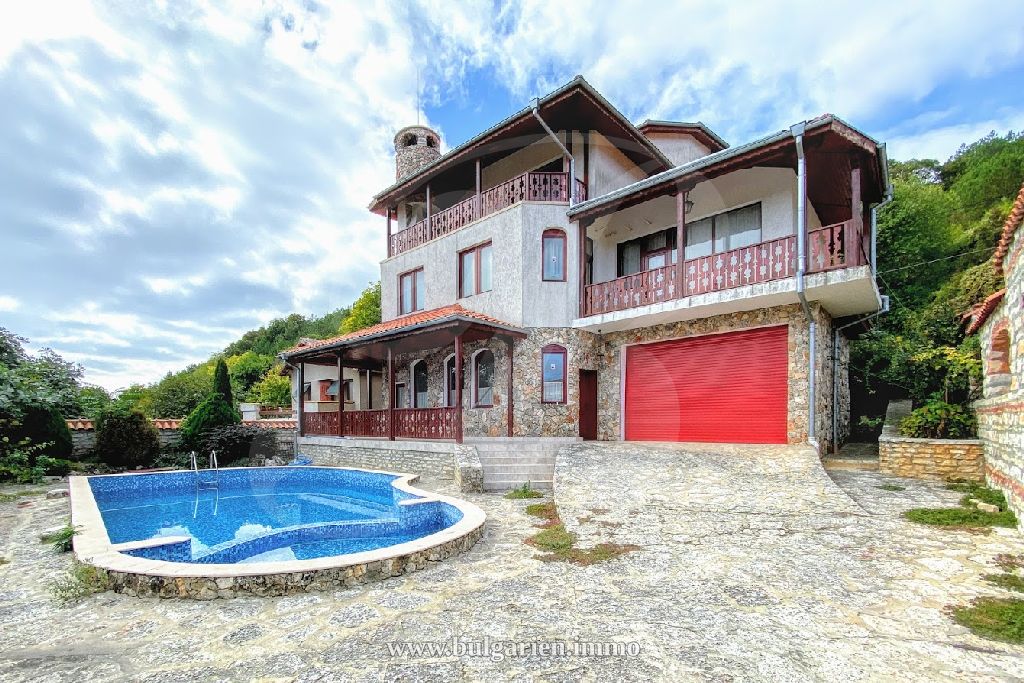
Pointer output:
415, 147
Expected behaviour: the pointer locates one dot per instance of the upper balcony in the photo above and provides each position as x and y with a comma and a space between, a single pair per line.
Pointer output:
532, 186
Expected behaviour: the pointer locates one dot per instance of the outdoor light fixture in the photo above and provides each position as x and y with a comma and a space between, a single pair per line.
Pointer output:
688, 205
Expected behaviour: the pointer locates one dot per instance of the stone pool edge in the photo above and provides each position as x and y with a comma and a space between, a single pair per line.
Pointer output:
159, 578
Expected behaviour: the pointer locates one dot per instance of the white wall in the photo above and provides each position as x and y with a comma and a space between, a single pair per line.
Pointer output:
315, 373
680, 148
609, 169
775, 188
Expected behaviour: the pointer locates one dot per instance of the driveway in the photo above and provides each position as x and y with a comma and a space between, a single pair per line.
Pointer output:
754, 565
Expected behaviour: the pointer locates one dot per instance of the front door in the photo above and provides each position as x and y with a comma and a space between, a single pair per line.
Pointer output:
588, 404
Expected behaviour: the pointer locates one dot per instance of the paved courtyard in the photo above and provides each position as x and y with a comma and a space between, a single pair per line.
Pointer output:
754, 565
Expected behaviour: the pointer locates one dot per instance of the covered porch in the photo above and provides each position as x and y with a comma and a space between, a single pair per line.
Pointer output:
408, 409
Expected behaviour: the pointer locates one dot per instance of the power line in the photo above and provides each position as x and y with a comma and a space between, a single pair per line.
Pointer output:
944, 258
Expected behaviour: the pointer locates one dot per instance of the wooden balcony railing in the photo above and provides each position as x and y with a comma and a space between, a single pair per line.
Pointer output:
426, 423
531, 187
365, 423
410, 423
834, 246
322, 424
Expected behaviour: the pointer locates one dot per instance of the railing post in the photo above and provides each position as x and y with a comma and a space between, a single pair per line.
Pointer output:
458, 388
852, 243
429, 237
389, 232
509, 341
341, 394
391, 396
681, 196
477, 213
582, 264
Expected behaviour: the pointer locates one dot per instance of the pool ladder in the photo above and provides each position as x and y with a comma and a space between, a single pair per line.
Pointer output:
209, 484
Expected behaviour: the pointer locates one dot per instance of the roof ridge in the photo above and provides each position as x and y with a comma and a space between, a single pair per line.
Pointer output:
1013, 221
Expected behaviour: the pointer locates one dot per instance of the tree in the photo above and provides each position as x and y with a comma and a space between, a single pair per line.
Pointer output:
365, 310
246, 370
135, 397
126, 438
212, 413
46, 426
273, 389
222, 382
178, 394
92, 400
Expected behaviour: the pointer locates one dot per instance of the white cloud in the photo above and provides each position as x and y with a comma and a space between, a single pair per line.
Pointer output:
8, 303
941, 142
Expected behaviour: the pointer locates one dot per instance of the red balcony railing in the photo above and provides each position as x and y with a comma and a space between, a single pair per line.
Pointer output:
365, 423
426, 423
531, 187
323, 424
410, 423
834, 246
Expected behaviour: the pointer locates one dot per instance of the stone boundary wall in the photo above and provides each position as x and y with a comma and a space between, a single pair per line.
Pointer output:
83, 435
1001, 428
940, 459
460, 463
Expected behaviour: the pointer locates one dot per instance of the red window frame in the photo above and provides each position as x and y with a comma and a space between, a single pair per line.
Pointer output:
554, 349
476, 251
560, 234
476, 379
417, 303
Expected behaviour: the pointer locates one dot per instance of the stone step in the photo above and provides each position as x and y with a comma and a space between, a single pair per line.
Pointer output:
859, 464
528, 459
543, 471
508, 484
513, 448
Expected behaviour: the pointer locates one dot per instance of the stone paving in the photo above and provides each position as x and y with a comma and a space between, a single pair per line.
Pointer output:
755, 565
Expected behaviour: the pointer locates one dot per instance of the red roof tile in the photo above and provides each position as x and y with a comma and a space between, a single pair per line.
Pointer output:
980, 313
412, 320
1013, 222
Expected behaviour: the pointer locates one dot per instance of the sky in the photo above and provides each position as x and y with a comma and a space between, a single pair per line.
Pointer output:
175, 173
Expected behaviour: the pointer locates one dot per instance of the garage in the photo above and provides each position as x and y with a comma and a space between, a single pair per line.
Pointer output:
726, 388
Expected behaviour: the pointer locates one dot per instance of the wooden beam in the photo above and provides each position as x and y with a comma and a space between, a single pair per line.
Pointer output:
389, 232
477, 203
458, 388
586, 163
581, 259
341, 394
302, 398
428, 212
681, 197
391, 395
509, 341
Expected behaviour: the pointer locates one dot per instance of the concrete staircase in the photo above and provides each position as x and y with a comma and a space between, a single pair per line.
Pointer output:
511, 462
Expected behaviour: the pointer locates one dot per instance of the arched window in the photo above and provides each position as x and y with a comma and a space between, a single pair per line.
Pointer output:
450, 382
483, 379
553, 374
419, 384
553, 252
409, 140
431, 142
998, 360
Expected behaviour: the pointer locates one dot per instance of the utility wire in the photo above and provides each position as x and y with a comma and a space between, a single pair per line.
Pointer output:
944, 258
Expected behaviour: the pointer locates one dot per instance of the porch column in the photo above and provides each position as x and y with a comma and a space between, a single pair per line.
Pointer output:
389, 231
509, 341
458, 387
852, 247
581, 259
428, 212
302, 398
369, 389
391, 396
341, 395
477, 208
681, 196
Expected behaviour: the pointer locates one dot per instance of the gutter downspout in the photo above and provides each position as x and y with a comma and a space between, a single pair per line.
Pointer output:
835, 368
572, 162
295, 450
874, 227
801, 268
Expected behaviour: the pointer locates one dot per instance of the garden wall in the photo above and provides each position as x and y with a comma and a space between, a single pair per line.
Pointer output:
83, 435
940, 459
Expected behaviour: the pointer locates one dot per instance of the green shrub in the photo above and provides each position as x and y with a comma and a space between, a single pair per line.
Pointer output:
939, 420
235, 443
222, 382
996, 618
523, 491
212, 413
126, 438
56, 467
61, 540
45, 425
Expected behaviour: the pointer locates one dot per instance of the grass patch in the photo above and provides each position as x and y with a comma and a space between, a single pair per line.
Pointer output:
891, 487
80, 581
11, 497
1009, 562
962, 517
979, 492
61, 540
995, 618
4, 560
522, 492
1012, 582
560, 544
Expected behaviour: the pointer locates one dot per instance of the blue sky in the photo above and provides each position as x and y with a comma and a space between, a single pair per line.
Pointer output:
174, 174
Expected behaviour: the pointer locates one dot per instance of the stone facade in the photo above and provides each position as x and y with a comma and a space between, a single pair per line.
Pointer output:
425, 149
84, 440
940, 459
459, 463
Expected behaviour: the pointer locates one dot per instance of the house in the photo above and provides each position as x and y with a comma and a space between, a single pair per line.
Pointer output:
566, 274
1000, 321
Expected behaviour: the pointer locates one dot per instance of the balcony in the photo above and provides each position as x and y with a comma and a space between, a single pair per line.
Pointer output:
842, 245
529, 187
409, 423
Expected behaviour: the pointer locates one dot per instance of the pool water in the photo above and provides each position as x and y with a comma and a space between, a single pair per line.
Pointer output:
263, 514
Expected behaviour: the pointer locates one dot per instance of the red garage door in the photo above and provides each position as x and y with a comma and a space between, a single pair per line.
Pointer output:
724, 388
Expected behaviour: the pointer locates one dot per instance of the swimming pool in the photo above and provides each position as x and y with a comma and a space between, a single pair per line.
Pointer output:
260, 520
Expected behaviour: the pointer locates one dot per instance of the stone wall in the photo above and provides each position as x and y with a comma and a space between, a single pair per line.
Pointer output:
84, 440
940, 459
441, 459
612, 344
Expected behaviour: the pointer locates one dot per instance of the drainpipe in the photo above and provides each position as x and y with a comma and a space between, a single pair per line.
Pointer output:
565, 150
801, 268
295, 450
874, 227
835, 368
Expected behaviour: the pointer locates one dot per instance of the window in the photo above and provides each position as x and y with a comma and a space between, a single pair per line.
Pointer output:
475, 270
724, 232
401, 397
409, 140
553, 373
410, 291
483, 379
307, 391
450, 383
650, 251
419, 385
554, 256
348, 390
